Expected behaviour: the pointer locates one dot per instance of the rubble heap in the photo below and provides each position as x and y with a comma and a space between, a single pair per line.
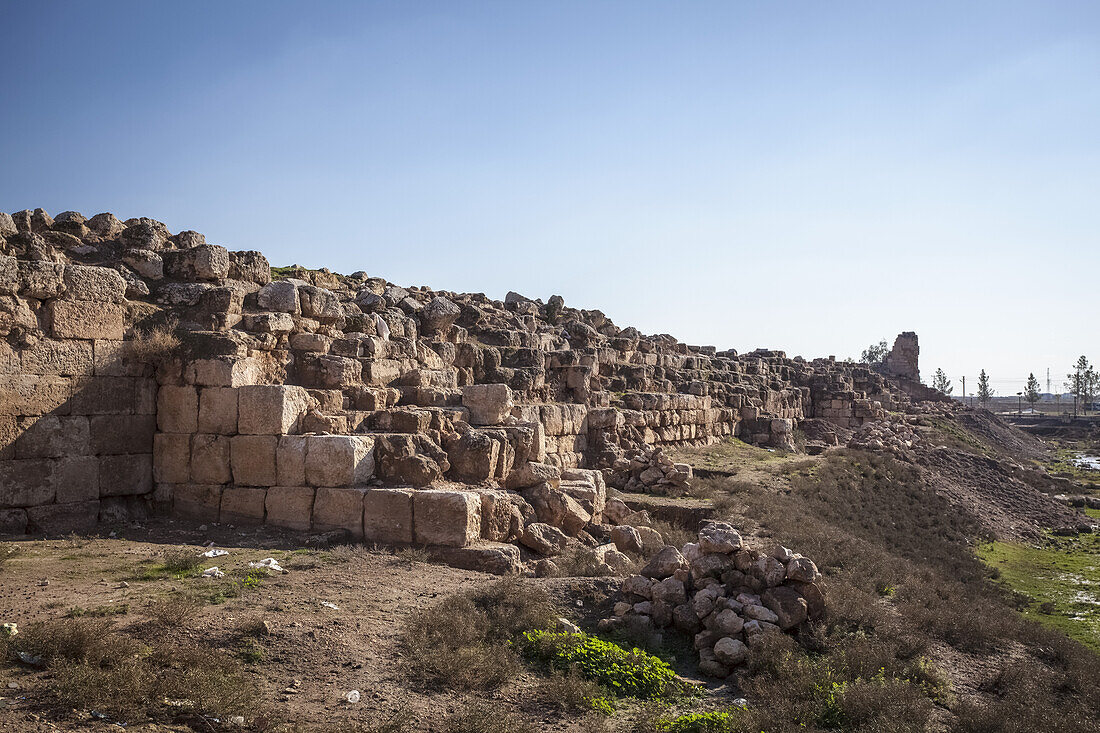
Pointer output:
722, 592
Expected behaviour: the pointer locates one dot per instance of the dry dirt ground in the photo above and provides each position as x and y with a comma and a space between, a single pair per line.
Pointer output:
334, 619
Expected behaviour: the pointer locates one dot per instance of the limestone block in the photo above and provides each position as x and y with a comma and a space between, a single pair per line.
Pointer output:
9, 274
205, 262
319, 303
290, 460
75, 479
339, 508
104, 396
271, 409
380, 372
281, 296
242, 505
218, 410
69, 358
86, 319
339, 460
489, 404
55, 519
473, 456
50, 436
125, 475
253, 459
210, 459
451, 518
178, 409
172, 457
13, 522
290, 506
388, 516
26, 483
101, 284
201, 502
118, 434
41, 280
224, 371
25, 394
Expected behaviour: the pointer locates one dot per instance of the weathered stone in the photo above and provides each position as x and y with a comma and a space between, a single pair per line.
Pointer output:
26, 483
125, 475
719, 537
626, 538
242, 505
446, 517
730, 652
281, 296
50, 436
253, 459
271, 409
55, 519
210, 459
290, 506
543, 538
172, 458
290, 460
388, 516
339, 460
532, 474
801, 569
145, 262
438, 315
218, 410
665, 563
85, 319
76, 479
339, 508
204, 262
178, 409
69, 358
319, 303
489, 404
787, 604
497, 559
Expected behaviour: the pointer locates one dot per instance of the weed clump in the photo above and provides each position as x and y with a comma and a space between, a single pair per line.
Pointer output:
632, 673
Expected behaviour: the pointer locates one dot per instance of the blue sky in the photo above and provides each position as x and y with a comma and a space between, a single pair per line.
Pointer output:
799, 175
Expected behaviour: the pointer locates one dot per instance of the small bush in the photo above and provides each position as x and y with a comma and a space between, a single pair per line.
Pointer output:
581, 562
179, 560
177, 610
412, 555
633, 673
478, 717
462, 642
155, 345
676, 535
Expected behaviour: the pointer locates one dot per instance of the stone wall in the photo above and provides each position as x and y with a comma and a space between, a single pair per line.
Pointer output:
77, 410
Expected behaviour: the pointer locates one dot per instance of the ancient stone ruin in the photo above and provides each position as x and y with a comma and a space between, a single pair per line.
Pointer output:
323, 402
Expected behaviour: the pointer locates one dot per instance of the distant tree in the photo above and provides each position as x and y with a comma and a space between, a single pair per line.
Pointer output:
985, 394
1083, 383
941, 382
875, 353
1031, 391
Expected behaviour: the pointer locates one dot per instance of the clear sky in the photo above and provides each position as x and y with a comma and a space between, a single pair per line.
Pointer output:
803, 175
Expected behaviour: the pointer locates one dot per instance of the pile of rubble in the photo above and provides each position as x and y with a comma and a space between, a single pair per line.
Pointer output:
724, 593
649, 470
895, 436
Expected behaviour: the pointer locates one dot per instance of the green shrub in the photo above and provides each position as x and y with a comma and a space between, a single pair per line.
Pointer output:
631, 673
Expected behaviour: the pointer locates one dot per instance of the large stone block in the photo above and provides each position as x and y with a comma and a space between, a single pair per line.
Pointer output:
253, 460
271, 409
473, 456
200, 502
26, 394
281, 296
451, 518
172, 458
26, 483
218, 410
85, 319
339, 460
388, 516
489, 404
69, 358
224, 371
50, 436
210, 457
101, 284
13, 522
56, 519
243, 505
290, 506
290, 460
339, 508
118, 434
104, 396
41, 280
204, 262
75, 479
125, 475
10, 430
178, 409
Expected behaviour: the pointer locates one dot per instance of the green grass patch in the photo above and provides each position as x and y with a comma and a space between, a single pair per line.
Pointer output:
728, 456
715, 721
1061, 578
631, 673
950, 433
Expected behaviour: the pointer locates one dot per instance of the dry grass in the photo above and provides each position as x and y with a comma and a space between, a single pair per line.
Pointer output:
7, 552
581, 562
96, 667
181, 560
462, 642
175, 611
156, 345
569, 693
481, 717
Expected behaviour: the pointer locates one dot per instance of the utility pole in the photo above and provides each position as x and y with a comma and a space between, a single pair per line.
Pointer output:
964, 391
1048, 381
